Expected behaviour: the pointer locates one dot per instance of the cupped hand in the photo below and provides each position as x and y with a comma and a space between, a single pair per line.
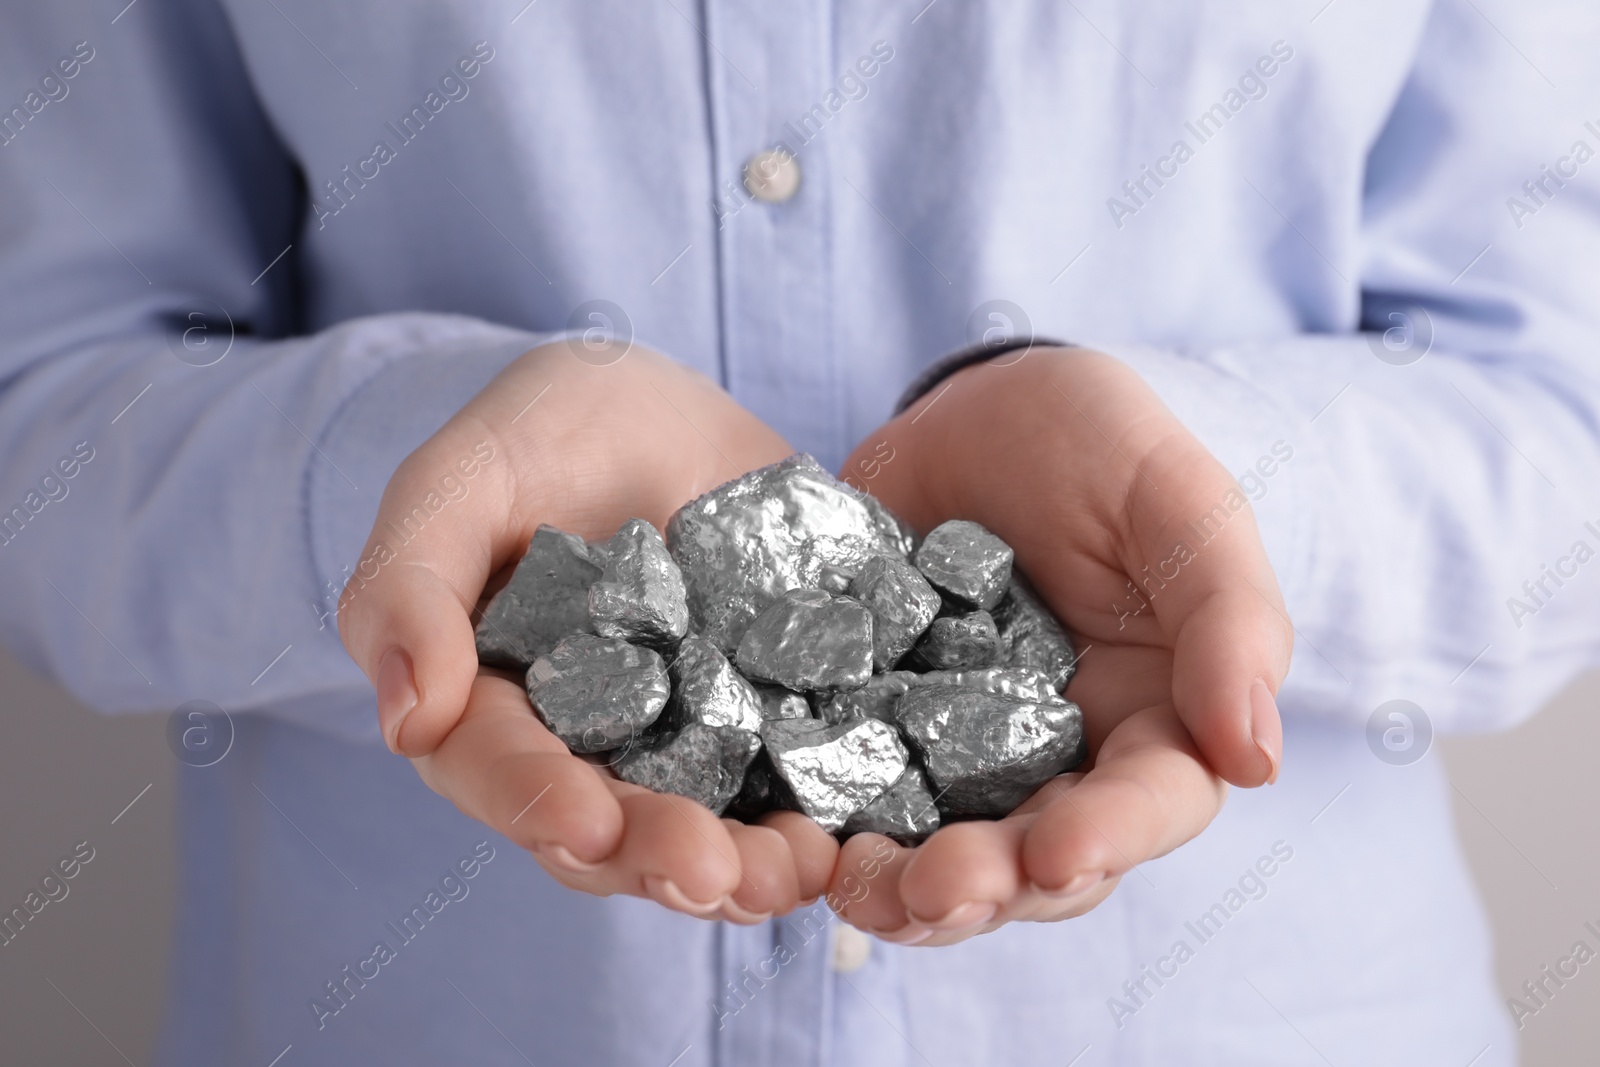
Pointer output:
582, 438
1143, 544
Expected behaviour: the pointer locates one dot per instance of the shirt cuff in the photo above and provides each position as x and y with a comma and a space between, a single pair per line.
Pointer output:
962, 358
386, 418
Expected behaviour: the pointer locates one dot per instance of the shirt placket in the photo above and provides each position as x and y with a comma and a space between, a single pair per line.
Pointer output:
768, 65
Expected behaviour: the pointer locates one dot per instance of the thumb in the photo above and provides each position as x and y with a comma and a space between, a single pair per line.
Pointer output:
405, 615
412, 635
1216, 598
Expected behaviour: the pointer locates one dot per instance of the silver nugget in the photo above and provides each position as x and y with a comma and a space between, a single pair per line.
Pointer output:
905, 811
809, 640
597, 693
546, 599
704, 763
960, 642
1034, 639
707, 690
902, 603
965, 562
640, 595
835, 771
742, 545
984, 753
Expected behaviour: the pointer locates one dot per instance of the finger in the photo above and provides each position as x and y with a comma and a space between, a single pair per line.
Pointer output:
502, 767
1148, 793
813, 850
768, 884
962, 877
865, 889
673, 851
1217, 600
1030, 905
405, 615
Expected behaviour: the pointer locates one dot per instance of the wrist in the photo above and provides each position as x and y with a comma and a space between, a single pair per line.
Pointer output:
1003, 353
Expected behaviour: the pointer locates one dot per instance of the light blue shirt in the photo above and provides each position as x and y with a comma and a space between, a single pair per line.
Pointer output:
252, 253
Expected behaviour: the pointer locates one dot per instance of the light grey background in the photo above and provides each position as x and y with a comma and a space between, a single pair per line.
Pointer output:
82, 984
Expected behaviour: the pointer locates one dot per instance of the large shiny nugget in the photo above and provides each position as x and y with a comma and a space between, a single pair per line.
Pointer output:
597, 693
703, 763
985, 753
640, 595
809, 640
787, 526
966, 563
546, 599
834, 771
902, 603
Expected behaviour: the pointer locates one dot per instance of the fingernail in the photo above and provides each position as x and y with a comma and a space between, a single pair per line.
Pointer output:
561, 856
912, 933
1266, 729
964, 916
667, 893
1076, 885
743, 916
397, 695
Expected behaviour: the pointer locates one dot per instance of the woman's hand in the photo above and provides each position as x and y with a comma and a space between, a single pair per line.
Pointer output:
1143, 544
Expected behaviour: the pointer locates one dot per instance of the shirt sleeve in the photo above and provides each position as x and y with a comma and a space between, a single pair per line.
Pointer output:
184, 481
1426, 489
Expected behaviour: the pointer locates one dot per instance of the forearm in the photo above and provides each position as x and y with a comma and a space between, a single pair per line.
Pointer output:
1404, 509
200, 552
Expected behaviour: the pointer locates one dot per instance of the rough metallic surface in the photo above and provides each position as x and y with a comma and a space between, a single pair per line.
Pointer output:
745, 543
780, 703
781, 604
546, 599
985, 754
703, 763
640, 595
1035, 639
1014, 683
875, 700
835, 771
597, 693
902, 603
707, 690
965, 562
905, 811
809, 640
959, 642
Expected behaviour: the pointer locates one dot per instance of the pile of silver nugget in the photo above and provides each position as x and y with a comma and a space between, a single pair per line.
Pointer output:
790, 645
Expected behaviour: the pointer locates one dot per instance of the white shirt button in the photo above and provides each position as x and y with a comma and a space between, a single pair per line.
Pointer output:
851, 949
772, 176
